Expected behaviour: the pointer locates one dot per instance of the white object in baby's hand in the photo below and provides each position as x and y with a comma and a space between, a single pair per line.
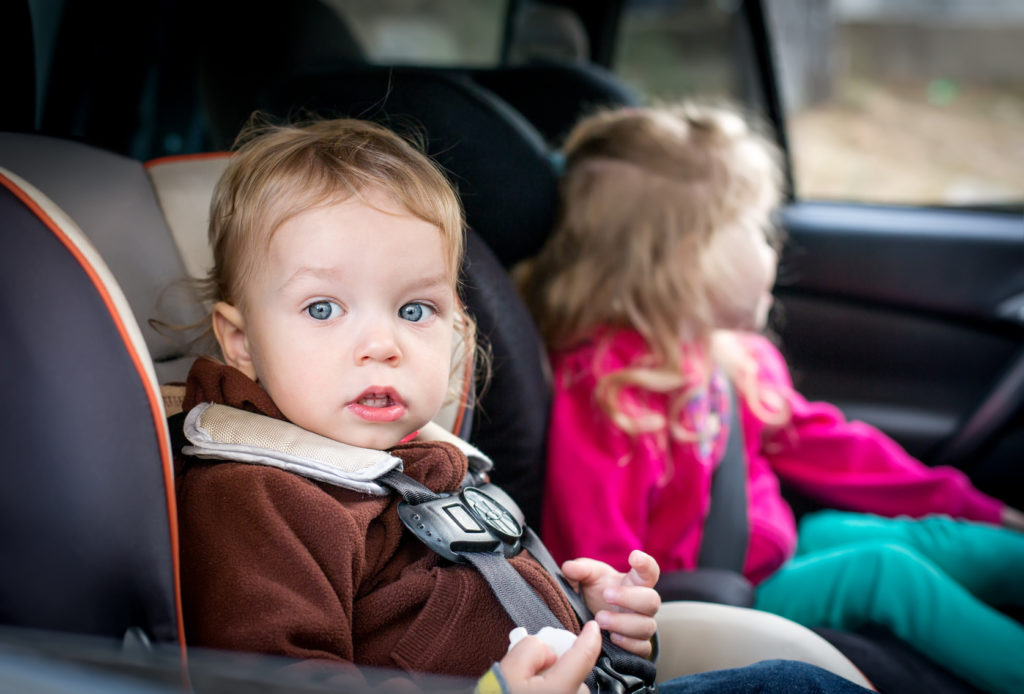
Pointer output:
558, 640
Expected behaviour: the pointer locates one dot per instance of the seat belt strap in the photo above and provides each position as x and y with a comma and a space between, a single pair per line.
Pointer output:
726, 528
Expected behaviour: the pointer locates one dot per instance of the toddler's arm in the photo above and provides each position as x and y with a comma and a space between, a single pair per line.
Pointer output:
622, 603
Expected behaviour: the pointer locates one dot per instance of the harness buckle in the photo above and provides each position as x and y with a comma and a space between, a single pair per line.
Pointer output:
471, 521
608, 679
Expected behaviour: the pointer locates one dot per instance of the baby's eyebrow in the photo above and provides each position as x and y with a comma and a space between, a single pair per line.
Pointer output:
325, 273
427, 282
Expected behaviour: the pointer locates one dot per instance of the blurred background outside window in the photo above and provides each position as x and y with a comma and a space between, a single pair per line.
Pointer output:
917, 102
437, 32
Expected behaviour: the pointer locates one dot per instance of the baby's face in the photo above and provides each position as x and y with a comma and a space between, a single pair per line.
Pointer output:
349, 323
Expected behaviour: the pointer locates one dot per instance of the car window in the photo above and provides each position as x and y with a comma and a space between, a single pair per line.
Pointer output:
438, 32
916, 102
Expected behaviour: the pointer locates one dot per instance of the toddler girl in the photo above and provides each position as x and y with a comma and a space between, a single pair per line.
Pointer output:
650, 295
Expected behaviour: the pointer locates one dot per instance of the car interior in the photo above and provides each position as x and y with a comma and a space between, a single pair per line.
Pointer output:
122, 494
106, 184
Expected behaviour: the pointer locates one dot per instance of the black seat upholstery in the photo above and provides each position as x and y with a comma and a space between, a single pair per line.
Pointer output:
511, 419
17, 51
87, 523
553, 96
133, 92
244, 45
498, 161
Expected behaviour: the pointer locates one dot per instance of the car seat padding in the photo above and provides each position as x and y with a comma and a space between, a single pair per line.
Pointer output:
89, 533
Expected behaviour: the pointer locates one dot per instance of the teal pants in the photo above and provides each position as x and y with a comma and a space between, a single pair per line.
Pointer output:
930, 581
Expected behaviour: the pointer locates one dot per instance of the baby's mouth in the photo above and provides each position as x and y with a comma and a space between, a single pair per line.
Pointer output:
376, 400
378, 404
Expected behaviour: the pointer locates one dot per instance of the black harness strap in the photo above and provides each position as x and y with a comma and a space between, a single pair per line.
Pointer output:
461, 528
521, 602
536, 548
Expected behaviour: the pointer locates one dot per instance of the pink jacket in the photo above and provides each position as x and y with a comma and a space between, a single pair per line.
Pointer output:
608, 493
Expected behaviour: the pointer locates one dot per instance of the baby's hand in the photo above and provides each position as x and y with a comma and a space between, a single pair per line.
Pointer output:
622, 603
530, 667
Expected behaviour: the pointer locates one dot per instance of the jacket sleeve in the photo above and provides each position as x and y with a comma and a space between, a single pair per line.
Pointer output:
852, 465
264, 571
598, 480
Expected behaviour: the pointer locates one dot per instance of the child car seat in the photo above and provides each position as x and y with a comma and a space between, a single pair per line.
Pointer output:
86, 391
87, 520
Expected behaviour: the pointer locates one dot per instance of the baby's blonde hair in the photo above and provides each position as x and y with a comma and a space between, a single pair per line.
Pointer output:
644, 192
278, 171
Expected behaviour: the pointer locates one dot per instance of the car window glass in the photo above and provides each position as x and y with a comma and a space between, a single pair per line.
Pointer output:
438, 32
903, 101
667, 49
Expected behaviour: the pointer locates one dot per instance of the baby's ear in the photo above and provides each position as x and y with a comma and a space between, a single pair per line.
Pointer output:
229, 327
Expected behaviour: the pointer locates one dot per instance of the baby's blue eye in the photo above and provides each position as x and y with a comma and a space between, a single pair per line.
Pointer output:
415, 312
322, 310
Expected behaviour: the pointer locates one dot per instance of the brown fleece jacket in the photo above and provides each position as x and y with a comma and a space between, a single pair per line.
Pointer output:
276, 563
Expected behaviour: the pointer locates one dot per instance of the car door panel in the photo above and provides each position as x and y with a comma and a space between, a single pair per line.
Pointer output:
910, 319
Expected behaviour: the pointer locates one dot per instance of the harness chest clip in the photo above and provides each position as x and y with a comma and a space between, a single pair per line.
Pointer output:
470, 521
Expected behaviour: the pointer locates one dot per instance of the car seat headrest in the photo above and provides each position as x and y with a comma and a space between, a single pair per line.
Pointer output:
554, 95
246, 44
111, 199
87, 522
496, 159
184, 186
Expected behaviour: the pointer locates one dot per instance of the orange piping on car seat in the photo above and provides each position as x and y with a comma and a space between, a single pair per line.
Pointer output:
172, 158
151, 395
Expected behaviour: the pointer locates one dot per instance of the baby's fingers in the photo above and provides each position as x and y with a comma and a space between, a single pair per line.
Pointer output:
644, 570
633, 632
628, 624
645, 601
526, 659
569, 671
640, 647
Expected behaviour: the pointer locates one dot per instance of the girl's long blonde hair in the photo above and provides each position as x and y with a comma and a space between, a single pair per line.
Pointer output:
644, 193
